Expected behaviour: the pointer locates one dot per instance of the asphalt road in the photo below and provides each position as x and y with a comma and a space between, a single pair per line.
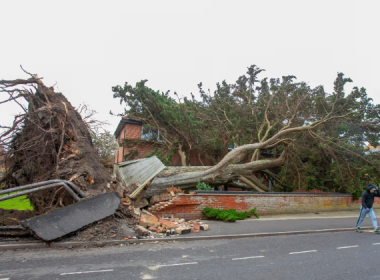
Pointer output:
346, 255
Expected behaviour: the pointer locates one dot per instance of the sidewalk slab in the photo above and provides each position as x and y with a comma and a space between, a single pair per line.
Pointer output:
267, 226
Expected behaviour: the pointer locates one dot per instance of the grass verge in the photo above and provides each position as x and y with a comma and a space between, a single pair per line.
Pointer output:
17, 203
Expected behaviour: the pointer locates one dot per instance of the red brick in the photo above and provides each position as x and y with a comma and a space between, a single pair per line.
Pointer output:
191, 206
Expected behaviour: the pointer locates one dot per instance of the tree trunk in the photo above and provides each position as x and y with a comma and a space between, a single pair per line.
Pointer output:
258, 183
187, 177
182, 155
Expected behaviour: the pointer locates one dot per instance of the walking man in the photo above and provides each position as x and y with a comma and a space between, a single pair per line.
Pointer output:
368, 197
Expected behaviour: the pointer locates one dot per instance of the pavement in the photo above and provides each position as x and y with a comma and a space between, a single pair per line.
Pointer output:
274, 225
287, 223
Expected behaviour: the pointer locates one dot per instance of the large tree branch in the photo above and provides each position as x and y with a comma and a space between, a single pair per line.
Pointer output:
228, 159
250, 183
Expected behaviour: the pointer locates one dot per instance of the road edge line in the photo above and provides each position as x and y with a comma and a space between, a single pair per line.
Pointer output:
158, 240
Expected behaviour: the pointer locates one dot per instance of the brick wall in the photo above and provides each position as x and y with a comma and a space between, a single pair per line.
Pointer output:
191, 206
130, 131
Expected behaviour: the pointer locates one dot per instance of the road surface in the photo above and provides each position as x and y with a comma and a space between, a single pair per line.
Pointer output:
346, 255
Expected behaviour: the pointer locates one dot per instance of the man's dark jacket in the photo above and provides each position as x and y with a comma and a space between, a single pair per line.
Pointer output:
368, 197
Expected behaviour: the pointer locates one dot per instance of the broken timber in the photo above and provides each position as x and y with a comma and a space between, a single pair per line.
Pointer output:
139, 172
69, 219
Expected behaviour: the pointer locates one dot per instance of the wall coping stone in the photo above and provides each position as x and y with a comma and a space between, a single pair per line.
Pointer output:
267, 193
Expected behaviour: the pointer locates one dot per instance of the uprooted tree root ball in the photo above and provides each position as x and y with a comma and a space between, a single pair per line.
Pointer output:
49, 141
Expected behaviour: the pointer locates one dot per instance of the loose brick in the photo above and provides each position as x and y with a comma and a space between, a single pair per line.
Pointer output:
168, 224
148, 221
204, 227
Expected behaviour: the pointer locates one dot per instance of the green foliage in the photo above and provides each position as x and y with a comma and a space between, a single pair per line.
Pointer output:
230, 215
17, 203
105, 146
330, 157
131, 154
357, 194
164, 157
203, 187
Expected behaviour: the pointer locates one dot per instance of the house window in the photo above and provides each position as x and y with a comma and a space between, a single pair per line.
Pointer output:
149, 133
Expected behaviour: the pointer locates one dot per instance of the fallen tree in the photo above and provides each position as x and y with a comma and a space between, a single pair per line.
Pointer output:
187, 177
49, 140
316, 139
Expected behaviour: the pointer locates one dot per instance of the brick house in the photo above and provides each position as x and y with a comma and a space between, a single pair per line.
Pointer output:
141, 143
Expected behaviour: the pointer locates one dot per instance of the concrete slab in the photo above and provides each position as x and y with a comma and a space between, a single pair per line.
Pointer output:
66, 220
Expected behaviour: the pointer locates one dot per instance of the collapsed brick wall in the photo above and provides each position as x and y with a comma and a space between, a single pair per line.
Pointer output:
191, 206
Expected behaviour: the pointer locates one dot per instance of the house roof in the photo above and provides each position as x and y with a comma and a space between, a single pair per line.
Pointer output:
122, 123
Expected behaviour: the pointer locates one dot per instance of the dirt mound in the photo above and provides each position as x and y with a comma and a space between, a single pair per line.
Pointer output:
107, 229
13, 217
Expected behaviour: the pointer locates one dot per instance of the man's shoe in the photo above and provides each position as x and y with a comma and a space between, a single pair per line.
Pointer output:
377, 231
359, 230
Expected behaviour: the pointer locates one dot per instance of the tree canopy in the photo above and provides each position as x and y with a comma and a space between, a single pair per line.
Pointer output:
321, 136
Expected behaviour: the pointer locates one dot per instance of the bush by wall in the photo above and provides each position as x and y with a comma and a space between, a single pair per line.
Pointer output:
230, 215
201, 186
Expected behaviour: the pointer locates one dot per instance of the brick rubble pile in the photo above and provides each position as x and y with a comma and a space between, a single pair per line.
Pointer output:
167, 225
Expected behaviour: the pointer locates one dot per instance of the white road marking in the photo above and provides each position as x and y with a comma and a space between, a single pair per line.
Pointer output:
254, 257
348, 247
5, 278
303, 252
84, 272
372, 244
176, 264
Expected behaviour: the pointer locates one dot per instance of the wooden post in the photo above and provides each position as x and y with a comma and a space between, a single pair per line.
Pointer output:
136, 203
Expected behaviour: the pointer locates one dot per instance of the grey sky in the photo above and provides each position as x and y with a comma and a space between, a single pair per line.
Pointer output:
86, 47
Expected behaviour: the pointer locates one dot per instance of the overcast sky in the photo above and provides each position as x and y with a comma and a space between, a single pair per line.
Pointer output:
86, 47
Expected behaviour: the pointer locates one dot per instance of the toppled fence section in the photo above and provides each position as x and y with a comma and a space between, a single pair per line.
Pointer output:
138, 173
70, 187
63, 221
136, 176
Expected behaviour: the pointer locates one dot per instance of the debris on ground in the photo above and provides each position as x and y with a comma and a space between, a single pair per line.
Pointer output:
167, 226
13, 217
107, 229
64, 221
117, 214
135, 174
141, 231
204, 227
13, 231
164, 200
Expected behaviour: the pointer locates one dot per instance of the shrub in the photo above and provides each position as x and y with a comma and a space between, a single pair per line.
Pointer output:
230, 215
201, 186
